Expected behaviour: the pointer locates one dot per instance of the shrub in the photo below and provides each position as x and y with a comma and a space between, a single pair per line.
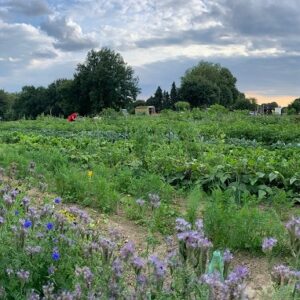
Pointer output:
182, 106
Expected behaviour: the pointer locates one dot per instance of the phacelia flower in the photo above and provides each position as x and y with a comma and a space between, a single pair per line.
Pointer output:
33, 249
23, 275
159, 266
154, 200
127, 250
227, 256
138, 263
281, 274
140, 202
25, 201
182, 225
268, 244
117, 267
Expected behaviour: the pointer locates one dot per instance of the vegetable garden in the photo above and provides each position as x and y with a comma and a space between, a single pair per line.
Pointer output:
201, 182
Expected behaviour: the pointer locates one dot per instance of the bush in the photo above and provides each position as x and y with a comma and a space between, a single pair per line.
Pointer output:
241, 228
182, 106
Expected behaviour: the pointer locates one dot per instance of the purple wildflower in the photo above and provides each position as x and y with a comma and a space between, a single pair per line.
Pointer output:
218, 289
138, 263
17, 212
86, 274
48, 290
227, 256
140, 202
172, 259
154, 200
115, 234
8, 200
14, 193
182, 225
107, 247
281, 274
25, 201
23, 275
33, 249
51, 270
268, 244
1, 220
141, 280
199, 225
117, 267
33, 296
33, 213
127, 250
238, 274
9, 271
294, 222
204, 243
159, 266
40, 235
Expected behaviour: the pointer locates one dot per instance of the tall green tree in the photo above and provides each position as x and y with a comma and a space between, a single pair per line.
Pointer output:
200, 93
173, 95
294, 106
244, 103
156, 100
60, 97
3, 103
31, 102
211, 82
104, 80
166, 101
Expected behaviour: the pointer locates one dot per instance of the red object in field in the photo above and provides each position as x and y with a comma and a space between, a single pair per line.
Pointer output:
72, 117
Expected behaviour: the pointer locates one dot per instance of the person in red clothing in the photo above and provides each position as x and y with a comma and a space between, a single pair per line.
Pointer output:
72, 117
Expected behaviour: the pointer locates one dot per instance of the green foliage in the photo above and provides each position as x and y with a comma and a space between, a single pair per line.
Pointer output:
229, 225
170, 154
294, 107
193, 203
182, 105
104, 80
110, 113
207, 84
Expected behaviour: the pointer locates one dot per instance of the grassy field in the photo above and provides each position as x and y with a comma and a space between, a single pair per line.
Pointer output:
240, 174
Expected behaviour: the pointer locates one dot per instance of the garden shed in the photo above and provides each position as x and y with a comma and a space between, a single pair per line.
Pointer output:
145, 110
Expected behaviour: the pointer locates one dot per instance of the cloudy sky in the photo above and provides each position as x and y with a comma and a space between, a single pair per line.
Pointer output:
259, 41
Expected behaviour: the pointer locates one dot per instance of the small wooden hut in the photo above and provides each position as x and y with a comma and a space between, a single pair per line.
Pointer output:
145, 110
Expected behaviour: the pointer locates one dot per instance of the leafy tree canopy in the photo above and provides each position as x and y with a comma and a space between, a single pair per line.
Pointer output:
209, 83
104, 80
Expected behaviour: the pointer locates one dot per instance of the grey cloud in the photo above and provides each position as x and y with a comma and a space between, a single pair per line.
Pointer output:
68, 35
213, 35
20, 44
260, 18
44, 53
27, 7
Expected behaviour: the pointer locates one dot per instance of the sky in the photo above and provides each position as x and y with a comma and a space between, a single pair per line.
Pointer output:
259, 41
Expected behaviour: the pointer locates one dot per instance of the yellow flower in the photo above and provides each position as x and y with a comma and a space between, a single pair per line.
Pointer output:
69, 216
90, 174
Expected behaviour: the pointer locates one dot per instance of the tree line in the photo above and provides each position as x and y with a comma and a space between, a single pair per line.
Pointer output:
104, 80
